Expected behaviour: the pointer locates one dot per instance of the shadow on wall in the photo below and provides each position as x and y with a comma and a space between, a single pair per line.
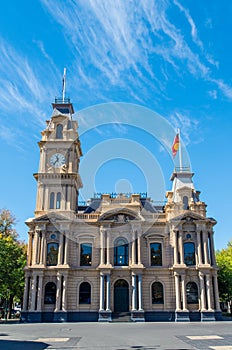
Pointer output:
22, 345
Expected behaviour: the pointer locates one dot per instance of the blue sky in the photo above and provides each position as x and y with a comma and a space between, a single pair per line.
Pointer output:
170, 57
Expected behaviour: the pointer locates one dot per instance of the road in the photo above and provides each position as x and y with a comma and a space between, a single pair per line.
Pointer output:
116, 336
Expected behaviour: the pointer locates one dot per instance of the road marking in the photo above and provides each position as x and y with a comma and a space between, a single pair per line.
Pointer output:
203, 337
52, 340
223, 347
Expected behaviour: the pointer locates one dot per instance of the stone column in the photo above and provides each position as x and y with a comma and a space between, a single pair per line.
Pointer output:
206, 251
108, 292
58, 291
68, 202
33, 293
175, 248
177, 288
202, 292
216, 294
40, 292
102, 285
102, 238
133, 248
61, 249
212, 249
36, 246
62, 199
181, 248
139, 249
64, 294
46, 199
25, 295
66, 250
134, 292
108, 247
208, 291
30, 247
42, 248
183, 289
140, 291
199, 248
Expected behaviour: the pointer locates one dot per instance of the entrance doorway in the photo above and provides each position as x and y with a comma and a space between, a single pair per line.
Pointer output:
121, 296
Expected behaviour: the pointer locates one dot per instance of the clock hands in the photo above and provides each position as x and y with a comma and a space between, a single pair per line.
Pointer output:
57, 160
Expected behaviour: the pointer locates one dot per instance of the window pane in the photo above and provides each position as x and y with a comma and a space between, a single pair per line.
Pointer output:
52, 197
85, 293
52, 254
121, 253
50, 293
157, 293
192, 293
156, 254
86, 254
59, 131
189, 254
58, 199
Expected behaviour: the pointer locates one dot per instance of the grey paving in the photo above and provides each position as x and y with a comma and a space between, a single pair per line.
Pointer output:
114, 336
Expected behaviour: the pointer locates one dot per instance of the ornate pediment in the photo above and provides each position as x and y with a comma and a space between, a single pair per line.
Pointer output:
191, 217
120, 216
49, 218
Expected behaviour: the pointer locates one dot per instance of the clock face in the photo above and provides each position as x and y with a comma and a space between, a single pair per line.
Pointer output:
57, 160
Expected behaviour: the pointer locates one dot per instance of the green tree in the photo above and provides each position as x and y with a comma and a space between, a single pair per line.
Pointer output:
224, 261
7, 223
12, 261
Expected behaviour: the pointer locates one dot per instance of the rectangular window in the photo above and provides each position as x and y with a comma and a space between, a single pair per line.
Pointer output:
86, 254
156, 254
189, 254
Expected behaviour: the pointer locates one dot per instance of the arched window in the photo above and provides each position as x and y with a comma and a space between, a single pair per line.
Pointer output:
189, 254
52, 200
50, 293
185, 203
52, 254
192, 293
156, 254
59, 131
121, 252
58, 200
86, 254
85, 293
157, 292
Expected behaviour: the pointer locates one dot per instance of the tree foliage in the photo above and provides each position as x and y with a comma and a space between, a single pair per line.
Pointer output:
12, 260
7, 223
224, 261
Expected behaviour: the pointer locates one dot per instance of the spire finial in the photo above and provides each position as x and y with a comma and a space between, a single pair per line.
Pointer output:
64, 85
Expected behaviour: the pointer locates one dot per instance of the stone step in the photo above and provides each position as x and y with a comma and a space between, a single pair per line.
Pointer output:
121, 317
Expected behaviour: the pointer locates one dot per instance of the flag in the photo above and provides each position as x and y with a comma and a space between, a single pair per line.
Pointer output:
175, 145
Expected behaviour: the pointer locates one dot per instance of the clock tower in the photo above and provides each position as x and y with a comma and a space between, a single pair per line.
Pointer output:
60, 151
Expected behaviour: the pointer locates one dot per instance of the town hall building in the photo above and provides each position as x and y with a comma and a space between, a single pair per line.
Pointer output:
119, 257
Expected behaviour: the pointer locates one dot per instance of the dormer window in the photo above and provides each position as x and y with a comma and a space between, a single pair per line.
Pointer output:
185, 203
59, 131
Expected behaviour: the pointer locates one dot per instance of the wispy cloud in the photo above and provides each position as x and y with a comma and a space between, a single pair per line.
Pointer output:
225, 88
213, 94
10, 136
188, 125
128, 42
191, 22
21, 88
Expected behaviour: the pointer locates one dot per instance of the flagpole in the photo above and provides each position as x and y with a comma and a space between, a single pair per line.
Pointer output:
64, 85
180, 150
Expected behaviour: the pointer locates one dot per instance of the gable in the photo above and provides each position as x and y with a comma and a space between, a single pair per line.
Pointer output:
120, 215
